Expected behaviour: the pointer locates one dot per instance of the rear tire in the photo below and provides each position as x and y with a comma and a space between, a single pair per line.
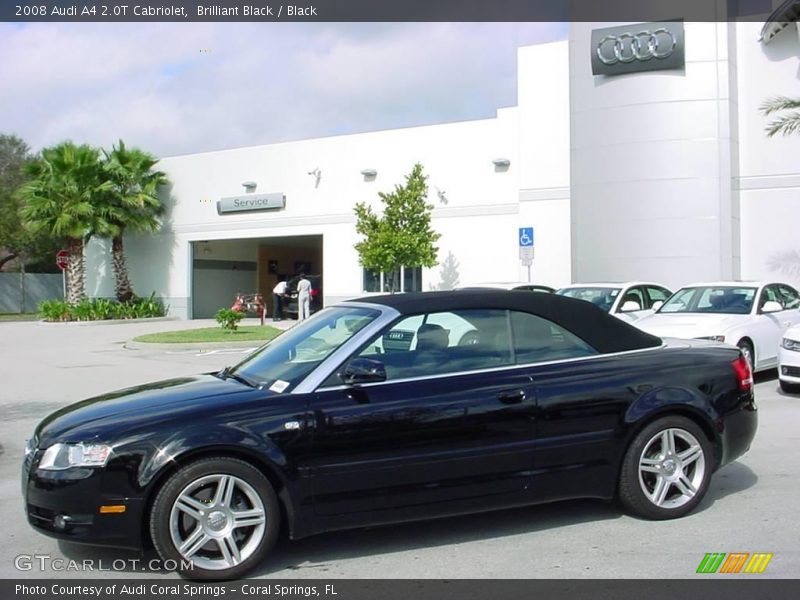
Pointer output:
666, 469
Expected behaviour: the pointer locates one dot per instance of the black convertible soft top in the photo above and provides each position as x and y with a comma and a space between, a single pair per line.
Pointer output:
604, 332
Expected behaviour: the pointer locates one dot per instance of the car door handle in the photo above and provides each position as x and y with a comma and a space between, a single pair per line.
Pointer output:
513, 397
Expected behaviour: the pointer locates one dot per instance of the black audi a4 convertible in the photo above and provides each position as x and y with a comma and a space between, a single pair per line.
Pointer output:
388, 409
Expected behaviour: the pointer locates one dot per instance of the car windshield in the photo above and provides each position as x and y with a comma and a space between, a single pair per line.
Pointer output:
712, 299
599, 296
285, 361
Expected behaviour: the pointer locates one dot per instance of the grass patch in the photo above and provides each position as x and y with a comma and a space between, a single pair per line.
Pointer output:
19, 316
250, 333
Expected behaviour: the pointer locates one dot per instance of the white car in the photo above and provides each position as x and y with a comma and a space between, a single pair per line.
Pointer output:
628, 301
789, 360
751, 315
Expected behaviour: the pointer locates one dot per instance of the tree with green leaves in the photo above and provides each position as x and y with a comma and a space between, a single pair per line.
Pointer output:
788, 122
132, 205
18, 246
64, 198
402, 235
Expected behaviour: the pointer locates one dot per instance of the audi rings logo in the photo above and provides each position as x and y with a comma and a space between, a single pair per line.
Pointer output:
633, 48
627, 47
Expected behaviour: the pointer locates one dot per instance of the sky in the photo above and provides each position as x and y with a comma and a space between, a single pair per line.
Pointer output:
179, 88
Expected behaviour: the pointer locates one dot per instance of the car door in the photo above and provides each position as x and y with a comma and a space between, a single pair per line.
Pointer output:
769, 327
581, 402
447, 423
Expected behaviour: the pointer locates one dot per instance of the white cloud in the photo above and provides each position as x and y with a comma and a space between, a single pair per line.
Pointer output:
175, 88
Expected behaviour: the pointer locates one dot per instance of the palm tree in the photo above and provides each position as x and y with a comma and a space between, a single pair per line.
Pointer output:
62, 198
785, 124
132, 204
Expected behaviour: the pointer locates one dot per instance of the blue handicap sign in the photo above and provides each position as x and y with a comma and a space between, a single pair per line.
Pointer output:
526, 236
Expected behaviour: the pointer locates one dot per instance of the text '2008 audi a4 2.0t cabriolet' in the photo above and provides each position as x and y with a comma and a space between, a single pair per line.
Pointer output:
389, 409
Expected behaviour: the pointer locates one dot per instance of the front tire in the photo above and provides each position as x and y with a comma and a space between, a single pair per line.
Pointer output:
666, 469
216, 518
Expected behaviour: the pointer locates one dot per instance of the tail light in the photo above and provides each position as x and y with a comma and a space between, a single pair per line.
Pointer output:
744, 375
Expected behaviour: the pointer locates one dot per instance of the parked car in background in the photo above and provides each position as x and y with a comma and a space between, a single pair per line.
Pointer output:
510, 285
627, 301
290, 297
338, 423
789, 360
751, 315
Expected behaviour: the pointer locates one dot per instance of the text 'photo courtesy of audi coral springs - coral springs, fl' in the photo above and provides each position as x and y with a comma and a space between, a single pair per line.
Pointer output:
390, 409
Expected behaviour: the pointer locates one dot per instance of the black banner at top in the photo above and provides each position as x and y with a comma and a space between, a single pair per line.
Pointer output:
385, 10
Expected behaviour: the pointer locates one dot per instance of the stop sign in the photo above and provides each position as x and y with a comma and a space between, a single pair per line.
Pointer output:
62, 259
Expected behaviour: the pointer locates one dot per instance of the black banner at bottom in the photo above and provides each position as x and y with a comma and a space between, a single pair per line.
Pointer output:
733, 588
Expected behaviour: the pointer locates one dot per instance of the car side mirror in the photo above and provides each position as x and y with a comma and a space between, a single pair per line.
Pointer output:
771, 307
363, 370
630, 306
657, 304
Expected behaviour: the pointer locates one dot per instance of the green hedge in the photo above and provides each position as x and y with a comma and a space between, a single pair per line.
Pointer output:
101, 309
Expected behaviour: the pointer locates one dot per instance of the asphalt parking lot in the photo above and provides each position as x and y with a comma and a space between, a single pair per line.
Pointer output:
750, 507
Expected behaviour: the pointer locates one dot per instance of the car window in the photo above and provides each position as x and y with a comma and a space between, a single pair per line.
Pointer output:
634, 294
288, 359
712, 299
791, 299
599, 296
538, 340
656, 294
443, 342
770, 293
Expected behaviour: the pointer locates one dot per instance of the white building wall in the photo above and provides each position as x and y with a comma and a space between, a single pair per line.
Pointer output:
769, 167
544, 148
472, 201
652, 160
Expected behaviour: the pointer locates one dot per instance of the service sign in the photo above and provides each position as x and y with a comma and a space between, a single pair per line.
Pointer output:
251, 202
638, 48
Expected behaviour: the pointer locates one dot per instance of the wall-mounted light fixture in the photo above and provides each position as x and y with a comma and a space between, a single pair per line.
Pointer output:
369, 172
316, 173
501, 164
249, 186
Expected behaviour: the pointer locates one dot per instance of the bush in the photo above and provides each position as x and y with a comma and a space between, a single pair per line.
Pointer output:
54, 310
228, 318
101, 309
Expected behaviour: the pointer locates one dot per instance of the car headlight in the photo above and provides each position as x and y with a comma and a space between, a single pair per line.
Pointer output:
713, 338
790, 344
64, 456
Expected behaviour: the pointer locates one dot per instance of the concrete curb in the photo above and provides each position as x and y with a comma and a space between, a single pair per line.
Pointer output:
198, 346
107, 322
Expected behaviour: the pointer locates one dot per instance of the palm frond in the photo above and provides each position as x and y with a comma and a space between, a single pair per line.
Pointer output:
784, 125
778, 103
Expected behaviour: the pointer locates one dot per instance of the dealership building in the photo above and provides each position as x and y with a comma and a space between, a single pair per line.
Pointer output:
634, 151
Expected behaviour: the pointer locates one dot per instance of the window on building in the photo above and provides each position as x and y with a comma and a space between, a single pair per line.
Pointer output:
404, 279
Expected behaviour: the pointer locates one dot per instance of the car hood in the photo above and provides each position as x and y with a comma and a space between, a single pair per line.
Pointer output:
124, 409
689, 325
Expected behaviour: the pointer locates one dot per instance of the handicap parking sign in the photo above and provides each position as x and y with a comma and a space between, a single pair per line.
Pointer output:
525, 236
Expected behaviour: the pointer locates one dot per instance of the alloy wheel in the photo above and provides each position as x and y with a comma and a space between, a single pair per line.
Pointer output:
672, 468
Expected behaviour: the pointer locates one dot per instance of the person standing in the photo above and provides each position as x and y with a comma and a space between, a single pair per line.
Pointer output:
303, 297
277, 298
